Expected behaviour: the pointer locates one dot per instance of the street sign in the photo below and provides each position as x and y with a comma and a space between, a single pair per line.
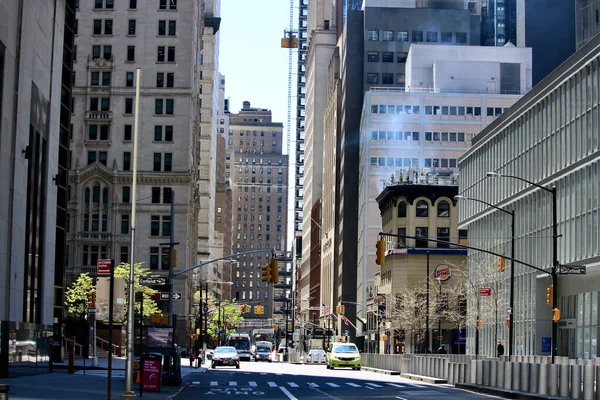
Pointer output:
165, 296
572, 270
91, 310
153, 280
104, 266
485, 291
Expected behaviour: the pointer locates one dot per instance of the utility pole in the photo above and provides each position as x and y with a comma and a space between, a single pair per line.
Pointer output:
172, 243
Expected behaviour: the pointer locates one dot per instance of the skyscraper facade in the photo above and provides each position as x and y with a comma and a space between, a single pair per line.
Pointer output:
258, 172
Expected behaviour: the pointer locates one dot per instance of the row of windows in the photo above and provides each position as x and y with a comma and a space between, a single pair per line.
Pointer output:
103, 78
105, 27
422, 209
387, 78
436, 110
110, 4
161, 106
102, 133
429, 136
164, 54
253, 160
253, 190
258, 246
417, 36
254, 133
413, 162
253, 170
162, 162
254, 143
258, 227
260, 180
258, 237
387, 56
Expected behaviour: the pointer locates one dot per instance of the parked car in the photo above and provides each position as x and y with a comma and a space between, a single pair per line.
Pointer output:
343, 355
316, 356
225, 356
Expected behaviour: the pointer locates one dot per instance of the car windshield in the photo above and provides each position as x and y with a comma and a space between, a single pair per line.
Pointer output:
225, 350
263, 350
317, 351
345, 349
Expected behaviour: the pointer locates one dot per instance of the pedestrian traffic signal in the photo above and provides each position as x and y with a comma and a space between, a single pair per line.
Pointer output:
555, 315
508, 322
274, 266
266, 273
479, 324
174, 258
380, 252
341, 309
501, 264
550, 294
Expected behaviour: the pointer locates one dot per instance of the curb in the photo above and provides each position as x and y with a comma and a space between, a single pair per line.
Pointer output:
381, 371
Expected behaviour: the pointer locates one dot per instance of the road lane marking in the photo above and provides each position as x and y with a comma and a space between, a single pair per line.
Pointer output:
252, 384
312, 384
292, 384
353, 384
373, 384
401, 398
332, 384
396, 385
287, 393
195, 383
214, 383
232, 383
272, 384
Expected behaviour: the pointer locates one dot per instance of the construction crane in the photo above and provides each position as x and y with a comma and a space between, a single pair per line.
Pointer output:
290, 42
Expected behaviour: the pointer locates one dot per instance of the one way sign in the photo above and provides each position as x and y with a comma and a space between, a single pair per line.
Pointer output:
165, 296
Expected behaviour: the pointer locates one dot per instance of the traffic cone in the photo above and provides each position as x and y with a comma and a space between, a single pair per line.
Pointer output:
137, 377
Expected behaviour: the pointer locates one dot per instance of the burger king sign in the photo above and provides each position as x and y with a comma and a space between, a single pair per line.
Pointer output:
442, 273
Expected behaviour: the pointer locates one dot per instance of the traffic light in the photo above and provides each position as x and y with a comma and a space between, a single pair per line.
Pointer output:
259, 310
274, 266
479, 324
550, 294
174, 258
92, 299
555, 314
501, 264
508, 322
380, 252
266, 273
166, 258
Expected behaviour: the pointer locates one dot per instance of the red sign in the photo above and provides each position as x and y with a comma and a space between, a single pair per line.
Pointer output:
151, 375
485, 291
104, 267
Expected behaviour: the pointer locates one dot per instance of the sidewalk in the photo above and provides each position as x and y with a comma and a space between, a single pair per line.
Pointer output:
60, 385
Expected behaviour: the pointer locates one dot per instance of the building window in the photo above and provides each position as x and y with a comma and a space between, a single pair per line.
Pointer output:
131, 54
387, 78
373, 35
422, 209
171, 4
387, 57
422, 233
156, 195
402, 36
443, 234
127, 133
443, 209
401, 57
129, 79
154, 225
128, 106
124, 224
401, 238
124, 254
160, 56
125, 194
132, 4
417, 36
372, 78
162, 27
461, 37
126, 161
154, 254
402, 209
446, 37
171, 54
131, 30
172, 28
432, 37
106, 75
387, 36
107, 50
373, 56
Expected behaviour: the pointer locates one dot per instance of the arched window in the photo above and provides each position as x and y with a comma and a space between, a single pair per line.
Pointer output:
443, 209
87, 195
402, 209
105, 196
422, 209
96, 194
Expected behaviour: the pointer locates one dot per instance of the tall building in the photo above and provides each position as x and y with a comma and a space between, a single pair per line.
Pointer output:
522, 24
36, 56
423, 130
587, 13
541, 141
258, 175
174, 140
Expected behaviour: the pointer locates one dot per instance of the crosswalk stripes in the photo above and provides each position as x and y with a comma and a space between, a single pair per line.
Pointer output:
293, 384
373, 385
396, 385
272, 384
252, 384
312, 384
214, 383
232, 383
332, 384
357, 384
353, 384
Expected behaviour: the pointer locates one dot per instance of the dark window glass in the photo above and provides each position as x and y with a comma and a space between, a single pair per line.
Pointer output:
421, 232
446, 37
154, 225
132, 4
417, 36
124, 224
166, 225
106, 78
156, 195
110, 4
108, 26
126, 161
172, 28
126, 192
153, 257
372, 78
103, 157
95, 78
387, 79
402, 209
443, 209
129, 79
157, 161
160, 79
170, 106
158, 106
160, 56
461, 37
96, 52
127, 132
168, 133
131, 56
170, 79
157, 133
444, 235
168, 162
162, 26
171, 54
387, 56
105, 104
167, 195
107, 52
131, 30
422, 209
373, 56
432, 37
401, 240
97, 29
162, 4
93, 132
104, 132
128, 106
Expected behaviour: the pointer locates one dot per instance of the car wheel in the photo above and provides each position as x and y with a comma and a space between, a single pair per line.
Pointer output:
331, 367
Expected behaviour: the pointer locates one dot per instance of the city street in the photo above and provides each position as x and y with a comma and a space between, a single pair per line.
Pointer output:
293, 381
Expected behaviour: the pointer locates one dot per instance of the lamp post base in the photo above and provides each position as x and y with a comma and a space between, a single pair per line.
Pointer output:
128, 396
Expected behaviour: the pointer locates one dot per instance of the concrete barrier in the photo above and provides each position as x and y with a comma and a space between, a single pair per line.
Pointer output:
588, 382
575, 381
485, 377
508, 375
516, 374
473, 372
563, 374
534, 372
524, 377
543, 379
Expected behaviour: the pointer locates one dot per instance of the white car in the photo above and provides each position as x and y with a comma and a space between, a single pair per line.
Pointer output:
316, 356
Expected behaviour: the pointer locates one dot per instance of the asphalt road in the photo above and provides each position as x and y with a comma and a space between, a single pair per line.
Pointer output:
300, 382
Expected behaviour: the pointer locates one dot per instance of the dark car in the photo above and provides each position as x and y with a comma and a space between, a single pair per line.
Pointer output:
226, 356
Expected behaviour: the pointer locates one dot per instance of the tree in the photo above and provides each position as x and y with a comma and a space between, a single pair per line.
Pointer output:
150, 306
225, 311
76, 296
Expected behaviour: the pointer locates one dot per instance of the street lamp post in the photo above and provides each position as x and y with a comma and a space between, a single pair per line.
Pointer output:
512, 268
555, 264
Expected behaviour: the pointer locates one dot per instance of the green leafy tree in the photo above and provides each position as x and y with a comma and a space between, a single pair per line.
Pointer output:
150, 306
76, 296
219, 313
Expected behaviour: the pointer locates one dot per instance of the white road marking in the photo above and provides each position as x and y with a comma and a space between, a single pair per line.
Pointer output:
214, 383
195, 383
373, 384
352, 384
292, 384
287, 393
252, 384
272, 384
312, 384
401, 398
332, 384
232, 383
396, 385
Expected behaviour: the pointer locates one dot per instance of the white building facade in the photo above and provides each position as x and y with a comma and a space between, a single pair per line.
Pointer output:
424, 129
550, 138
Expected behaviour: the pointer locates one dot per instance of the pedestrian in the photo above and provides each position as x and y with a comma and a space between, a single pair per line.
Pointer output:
192, 358
442, 350
500, 349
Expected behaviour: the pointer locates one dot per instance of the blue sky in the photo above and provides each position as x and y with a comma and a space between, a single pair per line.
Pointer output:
251, 58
